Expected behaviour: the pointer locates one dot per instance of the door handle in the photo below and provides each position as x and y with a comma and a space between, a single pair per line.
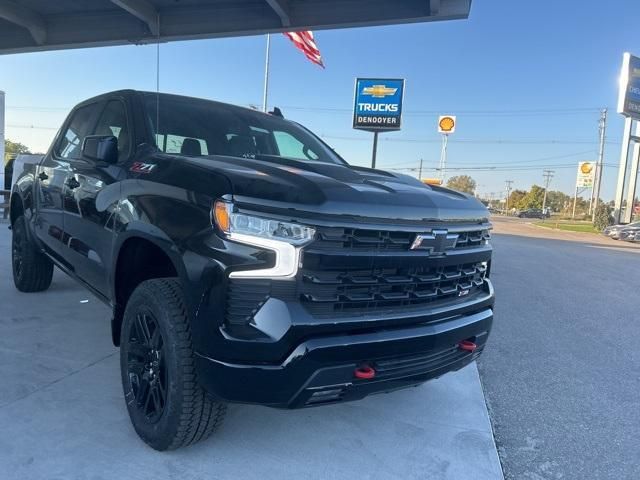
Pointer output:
43, 176
72, 183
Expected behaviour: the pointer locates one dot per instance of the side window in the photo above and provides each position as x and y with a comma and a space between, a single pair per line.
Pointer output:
113, 121
289, 146
70, 145
184, 145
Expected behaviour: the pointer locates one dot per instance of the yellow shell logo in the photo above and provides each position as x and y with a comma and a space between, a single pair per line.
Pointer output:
586, 168
446, 124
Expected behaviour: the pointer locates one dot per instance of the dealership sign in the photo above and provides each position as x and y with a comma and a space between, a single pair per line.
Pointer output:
378, 104
629, 94
586, 173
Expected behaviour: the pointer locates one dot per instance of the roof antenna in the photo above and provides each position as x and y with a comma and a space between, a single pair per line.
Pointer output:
276, 112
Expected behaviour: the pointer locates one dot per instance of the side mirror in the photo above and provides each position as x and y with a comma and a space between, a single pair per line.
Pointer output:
101, 148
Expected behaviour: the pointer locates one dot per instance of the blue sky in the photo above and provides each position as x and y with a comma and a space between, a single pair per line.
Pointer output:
526, 80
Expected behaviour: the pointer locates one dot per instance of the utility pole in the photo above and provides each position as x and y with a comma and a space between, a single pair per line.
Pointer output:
548, 175
420, 171
600, 164
508, 188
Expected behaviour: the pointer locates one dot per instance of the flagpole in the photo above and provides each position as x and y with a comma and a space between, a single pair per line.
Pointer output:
266, 75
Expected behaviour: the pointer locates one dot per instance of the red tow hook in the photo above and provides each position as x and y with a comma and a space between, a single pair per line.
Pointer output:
365, 372
467, 345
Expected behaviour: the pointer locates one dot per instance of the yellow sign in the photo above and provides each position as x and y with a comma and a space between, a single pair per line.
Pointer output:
447, 124
379, 91
586, 168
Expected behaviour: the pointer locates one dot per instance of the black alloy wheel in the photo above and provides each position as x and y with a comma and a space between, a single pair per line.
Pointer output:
147, 371
167, 405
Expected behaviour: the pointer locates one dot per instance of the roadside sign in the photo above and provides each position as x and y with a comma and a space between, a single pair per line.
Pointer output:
629, 93
378, 104
446, 124
586, 173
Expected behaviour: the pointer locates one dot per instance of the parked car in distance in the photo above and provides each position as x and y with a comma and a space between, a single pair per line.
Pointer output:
614, 231
533, 213
630, 233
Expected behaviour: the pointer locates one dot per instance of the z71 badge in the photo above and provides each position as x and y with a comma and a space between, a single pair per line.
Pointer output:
139, 167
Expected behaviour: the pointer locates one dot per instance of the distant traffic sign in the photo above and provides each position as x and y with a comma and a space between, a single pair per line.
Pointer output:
447, 124
378, 104
629, 94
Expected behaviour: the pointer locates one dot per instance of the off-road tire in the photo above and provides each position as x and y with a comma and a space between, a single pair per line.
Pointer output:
32, 269
190, 414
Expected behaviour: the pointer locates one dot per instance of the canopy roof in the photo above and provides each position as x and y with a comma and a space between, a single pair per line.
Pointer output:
37, 25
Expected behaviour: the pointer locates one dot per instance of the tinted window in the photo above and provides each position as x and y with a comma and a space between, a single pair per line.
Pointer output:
70, 145
199, 127
113, 121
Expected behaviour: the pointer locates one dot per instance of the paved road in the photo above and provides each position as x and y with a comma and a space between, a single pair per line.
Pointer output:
562, 371
62, 415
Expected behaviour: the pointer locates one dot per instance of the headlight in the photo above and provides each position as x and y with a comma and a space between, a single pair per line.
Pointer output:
231, 222
284, 238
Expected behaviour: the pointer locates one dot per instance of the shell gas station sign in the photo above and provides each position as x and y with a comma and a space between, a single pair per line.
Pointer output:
446, 124
586, 174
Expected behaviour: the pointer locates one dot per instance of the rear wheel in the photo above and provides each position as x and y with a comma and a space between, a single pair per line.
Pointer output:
32, 270
167, 406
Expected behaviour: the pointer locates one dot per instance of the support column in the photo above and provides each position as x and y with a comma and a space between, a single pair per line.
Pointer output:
622, 169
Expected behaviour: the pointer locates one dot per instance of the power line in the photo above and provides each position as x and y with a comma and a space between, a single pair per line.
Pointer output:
506, 112
532, 141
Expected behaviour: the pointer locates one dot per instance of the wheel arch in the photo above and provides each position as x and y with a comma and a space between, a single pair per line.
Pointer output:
140, 257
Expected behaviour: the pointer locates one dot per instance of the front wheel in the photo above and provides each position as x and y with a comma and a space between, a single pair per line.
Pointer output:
32, 269
167, 406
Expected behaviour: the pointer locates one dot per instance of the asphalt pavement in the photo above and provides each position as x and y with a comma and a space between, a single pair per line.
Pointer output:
561, 373
62, 415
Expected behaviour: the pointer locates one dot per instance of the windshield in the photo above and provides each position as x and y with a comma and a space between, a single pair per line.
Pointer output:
194, 127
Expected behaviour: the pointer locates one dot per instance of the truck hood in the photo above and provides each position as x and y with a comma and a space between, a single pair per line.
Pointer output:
271, 183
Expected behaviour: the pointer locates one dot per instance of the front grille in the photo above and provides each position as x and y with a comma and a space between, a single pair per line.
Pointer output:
389, 241
361, 291
350, 272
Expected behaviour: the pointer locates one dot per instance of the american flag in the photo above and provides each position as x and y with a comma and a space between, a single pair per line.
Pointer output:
304, 41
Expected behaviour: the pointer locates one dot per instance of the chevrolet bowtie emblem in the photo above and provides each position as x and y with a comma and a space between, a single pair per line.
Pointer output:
379, 91
437, 242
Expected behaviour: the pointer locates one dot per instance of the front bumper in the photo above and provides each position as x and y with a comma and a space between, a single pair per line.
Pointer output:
320, 370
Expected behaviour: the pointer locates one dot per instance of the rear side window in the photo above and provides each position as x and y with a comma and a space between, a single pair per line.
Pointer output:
70, 145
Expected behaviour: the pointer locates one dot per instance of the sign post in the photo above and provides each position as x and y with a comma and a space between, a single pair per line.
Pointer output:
377, 107
629, 106
446, 126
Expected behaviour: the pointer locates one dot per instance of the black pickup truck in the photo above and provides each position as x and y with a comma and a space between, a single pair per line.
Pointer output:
245, 261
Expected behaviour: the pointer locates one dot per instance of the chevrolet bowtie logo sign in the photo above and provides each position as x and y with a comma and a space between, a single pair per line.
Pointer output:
437, 242
379, 91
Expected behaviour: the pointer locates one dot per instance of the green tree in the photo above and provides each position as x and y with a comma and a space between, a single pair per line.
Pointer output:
558, 201
462, 183
14, 148
602, 218
514, 198
533, 198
